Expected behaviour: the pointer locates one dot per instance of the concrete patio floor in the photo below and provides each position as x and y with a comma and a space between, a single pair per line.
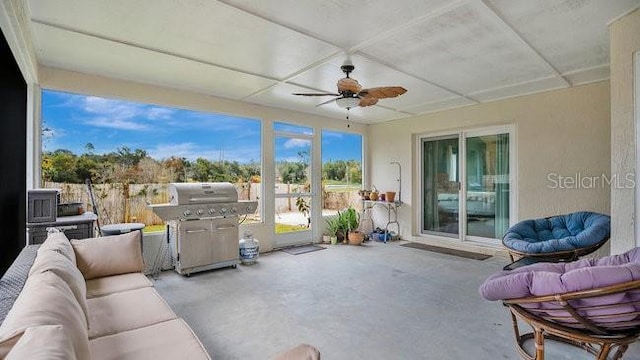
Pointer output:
377, 301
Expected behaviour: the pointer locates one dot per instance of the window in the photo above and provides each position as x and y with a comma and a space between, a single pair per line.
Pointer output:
132, 150
341, 171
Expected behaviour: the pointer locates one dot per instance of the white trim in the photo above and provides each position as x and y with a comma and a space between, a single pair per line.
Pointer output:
304, 236
636, 110
14, 21
34, 137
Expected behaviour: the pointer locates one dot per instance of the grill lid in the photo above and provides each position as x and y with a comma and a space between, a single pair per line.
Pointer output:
202, 193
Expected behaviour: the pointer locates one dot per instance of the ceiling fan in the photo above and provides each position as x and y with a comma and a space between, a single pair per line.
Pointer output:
351, 94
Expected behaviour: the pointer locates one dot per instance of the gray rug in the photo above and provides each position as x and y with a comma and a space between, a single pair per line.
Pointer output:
297, 250
441, 250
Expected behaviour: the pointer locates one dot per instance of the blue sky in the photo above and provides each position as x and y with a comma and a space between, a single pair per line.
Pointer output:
74, 120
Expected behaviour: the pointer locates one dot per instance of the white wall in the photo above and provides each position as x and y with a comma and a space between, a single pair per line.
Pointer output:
63, 80
563, 131
624, 41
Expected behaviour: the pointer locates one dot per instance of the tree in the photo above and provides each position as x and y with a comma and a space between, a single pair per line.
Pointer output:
89, 148
201, 170
60, 166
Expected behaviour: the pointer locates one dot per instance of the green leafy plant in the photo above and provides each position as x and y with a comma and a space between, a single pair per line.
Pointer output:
348, 220
303, 207
333, 225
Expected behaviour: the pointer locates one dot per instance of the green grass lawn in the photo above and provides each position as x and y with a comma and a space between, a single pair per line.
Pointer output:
285, 228
154, 228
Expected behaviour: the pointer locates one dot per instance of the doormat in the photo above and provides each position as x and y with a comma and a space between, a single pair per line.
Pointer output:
297, 250
441, 250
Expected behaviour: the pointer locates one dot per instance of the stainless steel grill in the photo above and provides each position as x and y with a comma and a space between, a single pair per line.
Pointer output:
203, 225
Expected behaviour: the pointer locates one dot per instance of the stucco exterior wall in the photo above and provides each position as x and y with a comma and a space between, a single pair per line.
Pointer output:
625, 41
566, 132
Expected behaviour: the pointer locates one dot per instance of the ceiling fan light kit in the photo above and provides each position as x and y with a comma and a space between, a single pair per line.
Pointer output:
348, 102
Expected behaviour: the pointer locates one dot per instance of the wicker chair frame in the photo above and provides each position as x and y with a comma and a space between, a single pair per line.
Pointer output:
568, 255
596, 337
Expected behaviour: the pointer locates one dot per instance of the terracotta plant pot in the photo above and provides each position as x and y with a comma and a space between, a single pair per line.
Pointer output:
355, 237
391, 196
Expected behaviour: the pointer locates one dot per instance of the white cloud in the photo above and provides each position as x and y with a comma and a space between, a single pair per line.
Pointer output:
297, 143
122, 115
114, 123
158, 113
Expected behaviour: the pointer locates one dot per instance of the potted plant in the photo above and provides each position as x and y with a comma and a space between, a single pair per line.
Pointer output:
351, 219
333, 225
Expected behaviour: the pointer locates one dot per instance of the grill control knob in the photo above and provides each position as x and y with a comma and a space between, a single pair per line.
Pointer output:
187, 212
200, 212
223, 211
234, 210
212, 211
248, 209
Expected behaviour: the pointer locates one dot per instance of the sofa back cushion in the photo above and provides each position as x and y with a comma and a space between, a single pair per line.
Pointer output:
47, 342
58, 241
8, 340
60, 265
47, 300
109, 255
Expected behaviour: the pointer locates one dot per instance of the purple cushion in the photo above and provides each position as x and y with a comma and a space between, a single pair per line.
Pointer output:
558, 278
553, 278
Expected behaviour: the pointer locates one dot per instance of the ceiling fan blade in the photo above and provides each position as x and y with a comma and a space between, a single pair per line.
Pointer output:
326, 102
383, 92
367, 101
315, 94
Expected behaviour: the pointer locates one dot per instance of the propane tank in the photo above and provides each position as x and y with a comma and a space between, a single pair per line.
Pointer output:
249, 249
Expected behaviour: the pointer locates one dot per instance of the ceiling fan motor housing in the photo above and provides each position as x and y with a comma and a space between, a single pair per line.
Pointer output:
347, 69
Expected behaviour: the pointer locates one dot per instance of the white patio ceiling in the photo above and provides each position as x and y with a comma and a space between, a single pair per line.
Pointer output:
446, 53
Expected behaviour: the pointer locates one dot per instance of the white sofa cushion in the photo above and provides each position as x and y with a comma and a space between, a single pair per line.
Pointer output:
47, 342
168, 340
128, 310
8, 340
60, 265
58, 241
109, 255
47, 300
116, 283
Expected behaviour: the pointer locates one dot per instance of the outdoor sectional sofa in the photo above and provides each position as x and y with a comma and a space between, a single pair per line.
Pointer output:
88, 299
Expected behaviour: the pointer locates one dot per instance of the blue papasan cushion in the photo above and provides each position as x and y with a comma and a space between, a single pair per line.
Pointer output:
558, 233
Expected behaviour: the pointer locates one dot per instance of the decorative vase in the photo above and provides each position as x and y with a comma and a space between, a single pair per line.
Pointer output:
326, 239
391, 196
373, 195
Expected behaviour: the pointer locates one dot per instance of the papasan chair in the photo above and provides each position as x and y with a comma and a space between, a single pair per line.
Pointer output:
590, 303
556, 238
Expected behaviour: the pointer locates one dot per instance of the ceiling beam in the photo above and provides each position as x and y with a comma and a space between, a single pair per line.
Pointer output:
506, 24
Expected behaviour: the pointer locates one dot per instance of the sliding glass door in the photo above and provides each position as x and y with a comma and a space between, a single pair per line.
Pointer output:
441, 188
466, 184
